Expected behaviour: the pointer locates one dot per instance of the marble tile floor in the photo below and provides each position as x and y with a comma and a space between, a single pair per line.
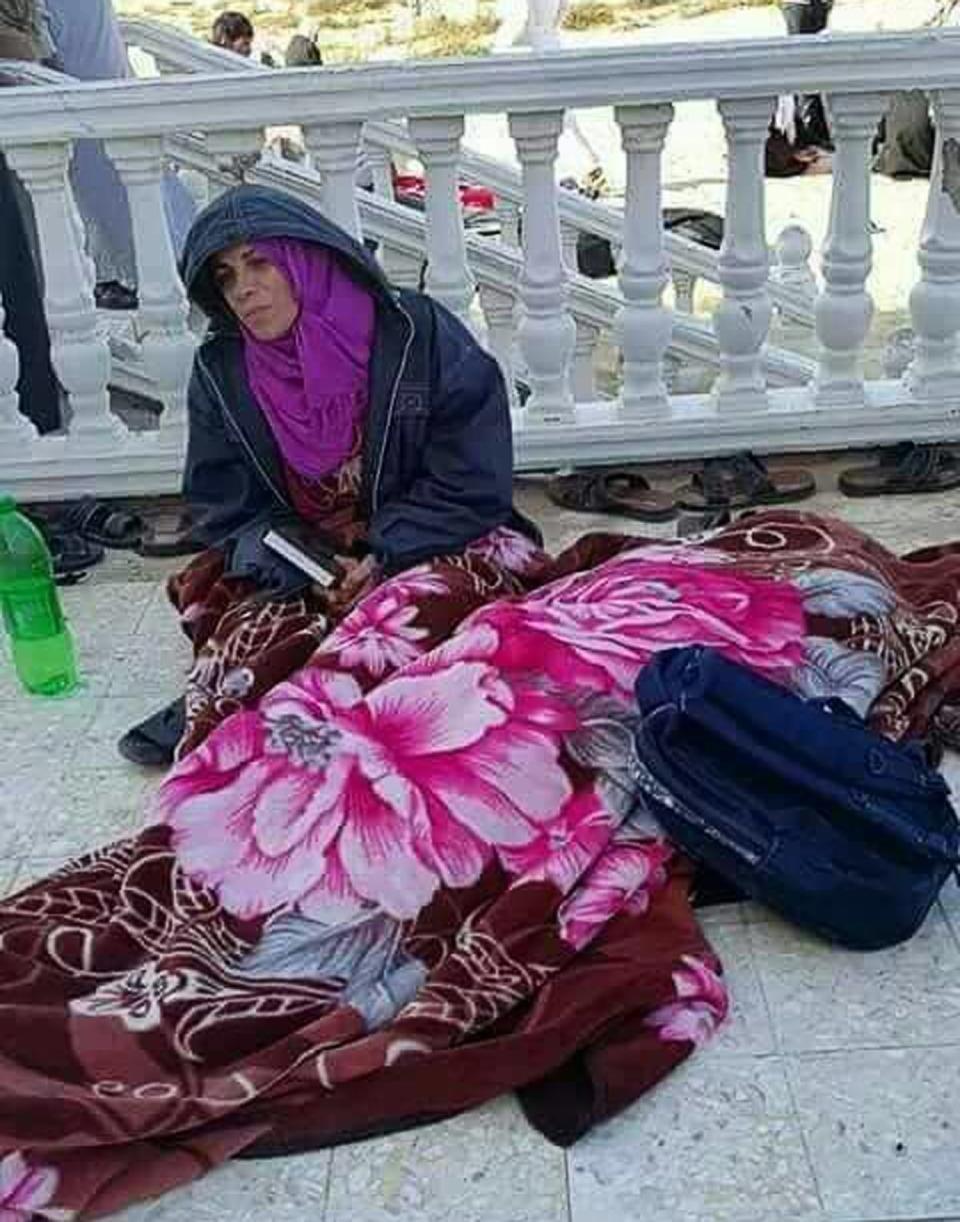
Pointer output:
832, 1096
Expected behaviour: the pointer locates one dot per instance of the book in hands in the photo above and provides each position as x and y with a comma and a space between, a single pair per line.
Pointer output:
297, 544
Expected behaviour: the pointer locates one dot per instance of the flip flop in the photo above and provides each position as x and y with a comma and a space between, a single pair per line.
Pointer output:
904, 470
622, 491
72, 556
103, 524
153, 742
742, 481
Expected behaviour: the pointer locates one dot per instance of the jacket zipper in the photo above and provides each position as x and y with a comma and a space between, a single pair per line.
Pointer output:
375, 487
211, 381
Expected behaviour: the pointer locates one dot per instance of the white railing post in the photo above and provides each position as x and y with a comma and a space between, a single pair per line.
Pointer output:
168, 344
500, 314
509, 216
78, 348
448, 274
935, 301
547, 332
643, 325
584, 376
742, 320
334, 149
794, 249
684, 289
381, 167
844, 308
233, 152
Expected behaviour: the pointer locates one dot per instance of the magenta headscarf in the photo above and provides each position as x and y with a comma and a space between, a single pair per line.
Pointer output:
312, 383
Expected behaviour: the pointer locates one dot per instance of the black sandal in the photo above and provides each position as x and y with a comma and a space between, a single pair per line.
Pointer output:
903, 470
623, 491
103, 524
153, 743
169, 537
742, 481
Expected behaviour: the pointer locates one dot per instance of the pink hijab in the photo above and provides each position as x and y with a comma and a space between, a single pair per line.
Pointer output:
312, 384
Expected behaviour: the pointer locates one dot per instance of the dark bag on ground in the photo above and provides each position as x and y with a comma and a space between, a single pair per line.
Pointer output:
796, 802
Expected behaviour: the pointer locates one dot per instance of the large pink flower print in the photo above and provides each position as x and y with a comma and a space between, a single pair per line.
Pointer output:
702, 1004
622, 880
332, 801
26, 1191
597, 629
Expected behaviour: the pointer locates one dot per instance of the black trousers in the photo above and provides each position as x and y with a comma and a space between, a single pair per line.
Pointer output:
812, 126
25, 323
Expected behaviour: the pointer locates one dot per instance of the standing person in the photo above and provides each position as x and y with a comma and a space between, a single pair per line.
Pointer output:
89, 46
809, 17
22, 38
234, 32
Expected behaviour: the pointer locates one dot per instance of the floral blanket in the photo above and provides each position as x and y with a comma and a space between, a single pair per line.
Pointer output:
417, 873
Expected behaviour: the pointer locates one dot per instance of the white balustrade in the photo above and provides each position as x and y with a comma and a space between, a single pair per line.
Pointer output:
643, 325
167, 342
569, 235
547, 332
500, 314
934, 374
844, 309
742, 319
79, 350
448, 275
334, 149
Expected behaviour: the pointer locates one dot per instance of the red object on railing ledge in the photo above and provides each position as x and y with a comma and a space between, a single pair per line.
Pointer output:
414, 186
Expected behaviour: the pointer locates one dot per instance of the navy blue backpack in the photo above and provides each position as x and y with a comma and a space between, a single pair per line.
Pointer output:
796, 802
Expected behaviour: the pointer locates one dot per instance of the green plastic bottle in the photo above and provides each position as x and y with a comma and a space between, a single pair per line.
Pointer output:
39, 637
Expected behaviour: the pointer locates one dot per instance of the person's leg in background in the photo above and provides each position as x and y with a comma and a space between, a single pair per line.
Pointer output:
25, 323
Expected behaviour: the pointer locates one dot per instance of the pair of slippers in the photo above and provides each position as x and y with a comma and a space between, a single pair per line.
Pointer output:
740, 481
78, 536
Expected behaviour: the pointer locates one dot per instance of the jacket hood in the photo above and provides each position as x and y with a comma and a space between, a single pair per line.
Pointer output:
249, 212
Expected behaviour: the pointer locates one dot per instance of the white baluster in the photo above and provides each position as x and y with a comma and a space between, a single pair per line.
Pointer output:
509, 215
15, 428
234, 153
742, 319
167, 342
935, 302
334, 148
401, 268
500, 314
844, 308
381, 167
78, 348
584, 354
643, 325
792, 269
568, 247
547, 331
448, 275
684, 289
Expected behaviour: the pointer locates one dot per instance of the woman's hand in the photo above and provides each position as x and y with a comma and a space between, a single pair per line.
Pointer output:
360, 576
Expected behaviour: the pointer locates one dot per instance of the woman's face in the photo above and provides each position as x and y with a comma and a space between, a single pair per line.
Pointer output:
256, 290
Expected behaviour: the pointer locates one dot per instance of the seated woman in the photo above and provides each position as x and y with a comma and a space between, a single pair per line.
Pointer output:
324, 397
404, 863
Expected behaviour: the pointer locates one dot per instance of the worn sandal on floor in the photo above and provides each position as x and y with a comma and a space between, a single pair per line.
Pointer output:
622, 491
102, 523
742, 481
153, 743
171, 536
902, 470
